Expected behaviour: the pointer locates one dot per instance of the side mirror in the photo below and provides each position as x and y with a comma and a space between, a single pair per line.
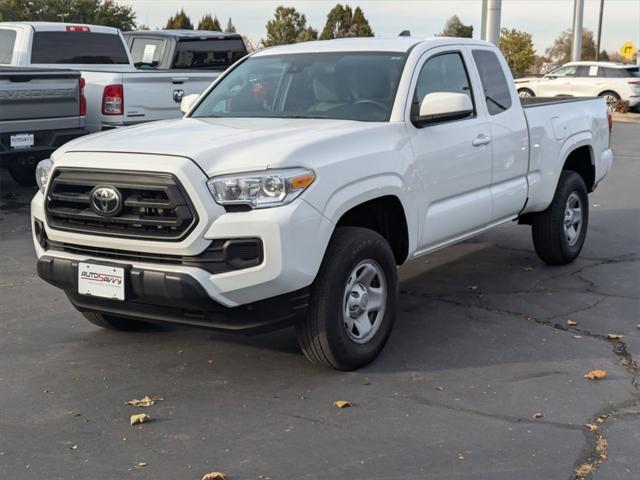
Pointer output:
443, 106
187, 102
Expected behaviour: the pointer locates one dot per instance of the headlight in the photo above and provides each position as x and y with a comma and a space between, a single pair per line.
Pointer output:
43, 169
270, 188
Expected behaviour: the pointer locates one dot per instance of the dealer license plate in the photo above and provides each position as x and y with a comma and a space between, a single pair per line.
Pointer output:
21, 140
101, 281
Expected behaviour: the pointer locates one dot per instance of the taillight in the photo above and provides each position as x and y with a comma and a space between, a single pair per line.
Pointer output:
83, 100
113, 100
77, 28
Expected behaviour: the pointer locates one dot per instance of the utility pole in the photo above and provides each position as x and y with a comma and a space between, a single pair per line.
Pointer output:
483, 22
599, 30
493, 10
576, 46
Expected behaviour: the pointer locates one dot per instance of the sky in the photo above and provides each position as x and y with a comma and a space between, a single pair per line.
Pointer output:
544, 19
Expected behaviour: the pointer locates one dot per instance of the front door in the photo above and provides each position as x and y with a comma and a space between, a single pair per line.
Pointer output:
453, 158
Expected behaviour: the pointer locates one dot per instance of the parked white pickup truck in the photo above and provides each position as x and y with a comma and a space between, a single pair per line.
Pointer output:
295, 186
117, 93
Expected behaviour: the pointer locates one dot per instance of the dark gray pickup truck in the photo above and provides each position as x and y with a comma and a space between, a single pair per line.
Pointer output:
40, 110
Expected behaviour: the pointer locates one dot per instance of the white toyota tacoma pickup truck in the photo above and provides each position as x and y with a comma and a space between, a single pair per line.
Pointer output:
300, 180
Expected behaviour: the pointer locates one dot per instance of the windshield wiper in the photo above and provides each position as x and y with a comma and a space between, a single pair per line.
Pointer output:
297, 115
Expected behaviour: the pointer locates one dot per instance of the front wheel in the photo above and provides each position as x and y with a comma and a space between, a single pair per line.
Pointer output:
353, 301
559, 232
525, 93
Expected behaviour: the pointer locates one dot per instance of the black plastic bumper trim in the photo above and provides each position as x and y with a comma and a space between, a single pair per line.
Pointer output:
176, 298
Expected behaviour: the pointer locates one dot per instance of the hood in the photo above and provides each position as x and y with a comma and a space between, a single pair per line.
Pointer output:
224, 145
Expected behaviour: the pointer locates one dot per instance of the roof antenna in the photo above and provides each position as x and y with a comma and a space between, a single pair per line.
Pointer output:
405, 33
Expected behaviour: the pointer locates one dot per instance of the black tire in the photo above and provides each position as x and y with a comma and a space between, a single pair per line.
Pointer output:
23, 172
528, 92
323, 336
112, 322
612, 107
549, 239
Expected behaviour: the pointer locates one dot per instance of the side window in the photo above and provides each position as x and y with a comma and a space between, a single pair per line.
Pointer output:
584, 71
7, 41
614, 72
443, 73
496, 89
147, 52
568, 71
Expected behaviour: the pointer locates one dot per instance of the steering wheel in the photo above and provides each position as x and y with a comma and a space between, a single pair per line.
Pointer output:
380, 105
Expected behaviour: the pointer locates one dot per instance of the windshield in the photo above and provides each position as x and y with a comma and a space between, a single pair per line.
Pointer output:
351, 86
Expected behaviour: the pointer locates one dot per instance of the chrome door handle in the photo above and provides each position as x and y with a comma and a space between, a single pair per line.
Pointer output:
481, 140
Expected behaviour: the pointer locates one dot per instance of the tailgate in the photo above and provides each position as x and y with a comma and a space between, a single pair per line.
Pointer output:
38, 94
156, 95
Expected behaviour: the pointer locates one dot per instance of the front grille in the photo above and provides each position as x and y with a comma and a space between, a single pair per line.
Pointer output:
154, 205
222, 255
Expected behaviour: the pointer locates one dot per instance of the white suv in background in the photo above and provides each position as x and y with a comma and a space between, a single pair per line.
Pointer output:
613, 81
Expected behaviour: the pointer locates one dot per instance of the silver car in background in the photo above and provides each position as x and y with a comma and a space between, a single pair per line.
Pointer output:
613, 81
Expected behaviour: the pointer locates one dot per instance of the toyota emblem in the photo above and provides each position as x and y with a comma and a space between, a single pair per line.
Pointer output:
106, 201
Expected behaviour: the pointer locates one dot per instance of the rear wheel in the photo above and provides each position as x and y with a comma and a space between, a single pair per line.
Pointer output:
525, 93
612, 99
112, 322
23, 171
353, 301
559, 232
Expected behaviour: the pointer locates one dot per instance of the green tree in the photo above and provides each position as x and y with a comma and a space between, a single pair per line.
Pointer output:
517, 48
208, 23
99, 12
231, 28
455, 28
180, 21
343, 22
560, 51
288, 26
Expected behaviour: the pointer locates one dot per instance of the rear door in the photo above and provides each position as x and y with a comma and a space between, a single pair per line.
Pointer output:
509, 135
452, 158
157, 95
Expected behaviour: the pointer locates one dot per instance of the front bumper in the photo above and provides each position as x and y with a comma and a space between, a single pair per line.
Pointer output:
45, 143
294, 238
176, 298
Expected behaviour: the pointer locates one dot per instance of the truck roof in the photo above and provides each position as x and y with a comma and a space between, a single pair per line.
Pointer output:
367, 44
60, 26
183, 34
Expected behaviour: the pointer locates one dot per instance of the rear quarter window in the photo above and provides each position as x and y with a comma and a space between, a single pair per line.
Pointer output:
496, 89
208, 54
7, 42
78, 48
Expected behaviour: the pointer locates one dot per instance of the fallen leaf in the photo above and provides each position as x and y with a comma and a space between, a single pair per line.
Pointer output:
214, 476
472, 287
527, 269
143, 402
583, 470
571, 322
537, 415
577, 337
139, 418
601, 447
342, 403
614, 336
596, 375
591, 426
74, 447
439, 388
141, 464
210, 360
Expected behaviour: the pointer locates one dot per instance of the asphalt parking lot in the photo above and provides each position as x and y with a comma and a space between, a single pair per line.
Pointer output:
483, 377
